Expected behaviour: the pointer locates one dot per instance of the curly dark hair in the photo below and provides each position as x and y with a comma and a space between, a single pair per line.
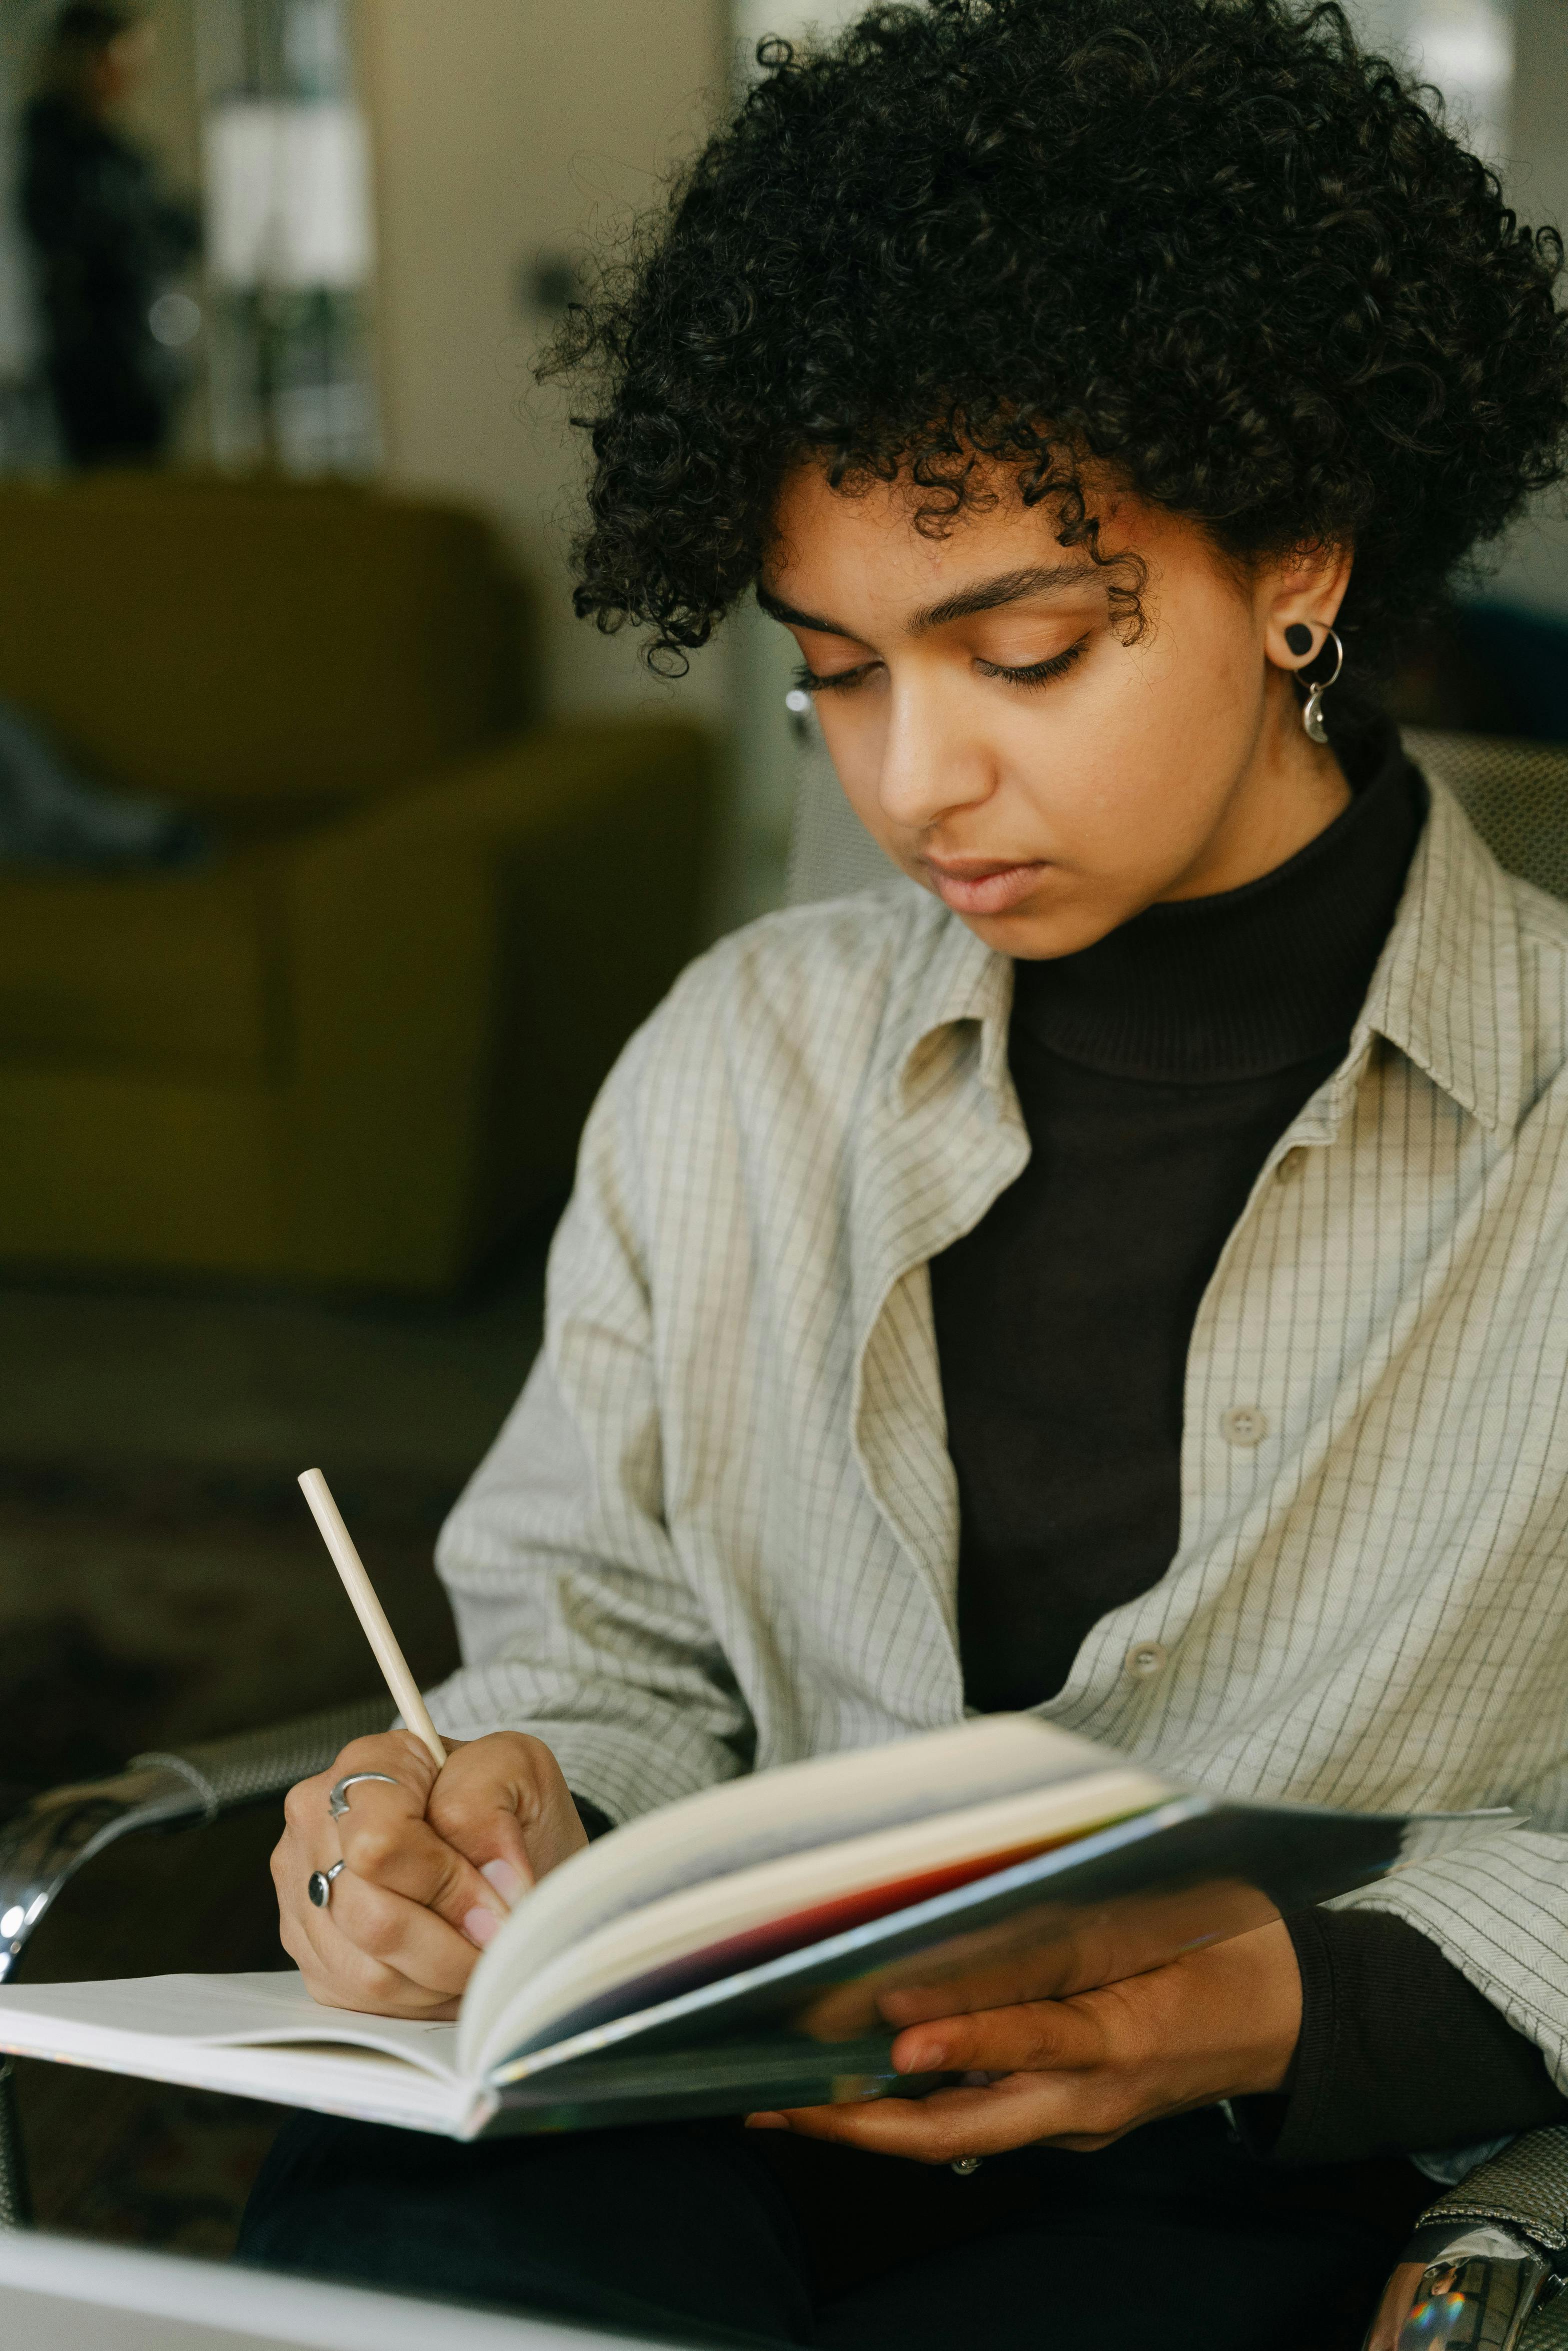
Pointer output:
1211, 247
95, 24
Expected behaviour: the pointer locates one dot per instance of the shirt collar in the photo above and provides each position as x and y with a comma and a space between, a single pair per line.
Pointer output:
949, 975
1446, 991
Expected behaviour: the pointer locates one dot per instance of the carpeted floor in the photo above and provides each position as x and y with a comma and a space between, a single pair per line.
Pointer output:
160, 1580
141, 1614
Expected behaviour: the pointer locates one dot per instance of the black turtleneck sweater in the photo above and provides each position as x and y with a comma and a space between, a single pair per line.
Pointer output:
1154, 1072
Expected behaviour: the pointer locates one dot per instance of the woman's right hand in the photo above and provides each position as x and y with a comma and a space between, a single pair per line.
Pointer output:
433, 1861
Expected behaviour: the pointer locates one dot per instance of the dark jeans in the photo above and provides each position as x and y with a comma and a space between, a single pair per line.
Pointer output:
1175, 2236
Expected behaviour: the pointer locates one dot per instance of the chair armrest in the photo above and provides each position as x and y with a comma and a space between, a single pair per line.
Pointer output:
1484, 2256
44, 1845
1524, 2188
464, 963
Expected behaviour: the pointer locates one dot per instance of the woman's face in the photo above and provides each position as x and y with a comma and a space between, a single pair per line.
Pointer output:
117, 67
1006, 746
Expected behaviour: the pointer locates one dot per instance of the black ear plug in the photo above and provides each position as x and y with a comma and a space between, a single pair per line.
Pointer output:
1298, 637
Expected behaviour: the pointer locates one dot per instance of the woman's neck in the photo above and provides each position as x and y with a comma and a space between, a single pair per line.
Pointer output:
1291, 790
1236, 983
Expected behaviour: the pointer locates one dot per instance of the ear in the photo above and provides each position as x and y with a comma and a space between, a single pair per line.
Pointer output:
1300, 598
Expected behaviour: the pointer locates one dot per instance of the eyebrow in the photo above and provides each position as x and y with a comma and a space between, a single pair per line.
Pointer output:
982, 596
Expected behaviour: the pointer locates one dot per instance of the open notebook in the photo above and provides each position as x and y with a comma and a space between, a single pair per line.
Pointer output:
756, 1944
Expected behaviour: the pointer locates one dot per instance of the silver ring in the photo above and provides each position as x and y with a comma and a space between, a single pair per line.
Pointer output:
318, 1885
337, 1797
965, 2164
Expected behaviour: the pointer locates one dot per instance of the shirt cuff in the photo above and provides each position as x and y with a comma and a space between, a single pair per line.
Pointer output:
1398, 2052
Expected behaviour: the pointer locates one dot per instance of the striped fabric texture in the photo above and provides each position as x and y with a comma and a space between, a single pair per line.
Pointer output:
720, 1530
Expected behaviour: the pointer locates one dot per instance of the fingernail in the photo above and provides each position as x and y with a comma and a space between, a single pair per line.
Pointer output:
765, 2122
505, 1881
926, 2057
480, 1925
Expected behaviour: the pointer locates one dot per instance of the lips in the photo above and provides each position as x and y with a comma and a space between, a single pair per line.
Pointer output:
985, 889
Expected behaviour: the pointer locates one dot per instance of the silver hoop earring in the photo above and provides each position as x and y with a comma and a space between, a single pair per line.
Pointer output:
1313, 712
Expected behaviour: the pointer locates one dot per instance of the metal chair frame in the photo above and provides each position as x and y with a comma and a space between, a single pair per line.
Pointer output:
1487, 2256
44, 1845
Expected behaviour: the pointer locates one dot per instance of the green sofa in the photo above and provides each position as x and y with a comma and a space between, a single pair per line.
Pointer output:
356, 1046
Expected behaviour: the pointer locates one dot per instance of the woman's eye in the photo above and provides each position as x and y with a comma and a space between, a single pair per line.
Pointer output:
1029, 674
1039, 673
836, 681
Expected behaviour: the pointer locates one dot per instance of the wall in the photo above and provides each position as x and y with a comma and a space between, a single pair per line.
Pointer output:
165, 114
1465, 47
1538, 179
1534, 571
502, 127
753, 20
1518, 120
20, 23
763, 657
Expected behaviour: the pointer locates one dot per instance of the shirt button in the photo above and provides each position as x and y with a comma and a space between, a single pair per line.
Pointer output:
1244, 1424
1291, 1166
1146, 1658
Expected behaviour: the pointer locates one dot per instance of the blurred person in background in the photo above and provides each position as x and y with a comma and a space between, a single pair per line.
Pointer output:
108, 239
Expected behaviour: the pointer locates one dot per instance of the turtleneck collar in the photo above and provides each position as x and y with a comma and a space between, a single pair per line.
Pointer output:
1202, 991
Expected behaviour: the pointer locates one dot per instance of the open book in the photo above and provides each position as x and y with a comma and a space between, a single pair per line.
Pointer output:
758, 1944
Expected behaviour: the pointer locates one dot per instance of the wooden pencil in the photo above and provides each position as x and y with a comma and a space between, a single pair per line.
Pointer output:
373, 1616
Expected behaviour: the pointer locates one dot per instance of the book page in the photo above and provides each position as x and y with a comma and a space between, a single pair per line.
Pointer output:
216, 2011
257, 2036
725, 1925
765, 1815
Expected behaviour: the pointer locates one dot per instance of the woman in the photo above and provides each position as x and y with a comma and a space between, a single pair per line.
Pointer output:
1123, 1275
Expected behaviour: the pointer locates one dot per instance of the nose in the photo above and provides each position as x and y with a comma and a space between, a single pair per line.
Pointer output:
929, 767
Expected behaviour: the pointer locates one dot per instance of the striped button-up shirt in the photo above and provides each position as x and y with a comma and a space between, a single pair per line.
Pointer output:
720, 1530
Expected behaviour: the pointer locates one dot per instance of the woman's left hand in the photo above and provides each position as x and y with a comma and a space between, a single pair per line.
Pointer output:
1221, 2022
